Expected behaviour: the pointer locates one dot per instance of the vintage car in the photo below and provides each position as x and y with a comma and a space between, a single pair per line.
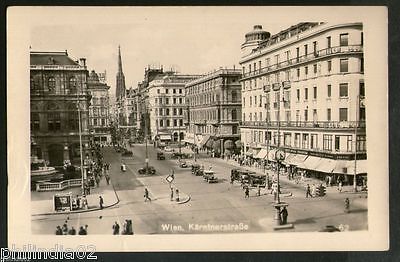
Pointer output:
248, 178
182, 163
160, 156
197, 170
177, 155
126, 152
150, 170
209, 176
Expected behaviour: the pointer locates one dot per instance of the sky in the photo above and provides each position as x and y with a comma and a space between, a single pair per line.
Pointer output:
188, 39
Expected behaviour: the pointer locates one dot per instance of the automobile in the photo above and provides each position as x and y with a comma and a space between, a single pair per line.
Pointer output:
150, 170
209, 176
168, 149
241, 175
126, 152
197, 170
330, 228
160, 156
182, 163
177, 155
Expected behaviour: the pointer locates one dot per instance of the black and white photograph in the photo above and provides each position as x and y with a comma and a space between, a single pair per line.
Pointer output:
198, 128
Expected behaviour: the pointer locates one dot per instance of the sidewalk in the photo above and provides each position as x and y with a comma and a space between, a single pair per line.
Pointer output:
44, 204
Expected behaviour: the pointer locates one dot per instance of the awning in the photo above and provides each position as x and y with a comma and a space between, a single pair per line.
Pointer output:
249, 152
294, 159
204, 140
310, 163
271, 155
347, 167
326, 165
164, 137
262, 154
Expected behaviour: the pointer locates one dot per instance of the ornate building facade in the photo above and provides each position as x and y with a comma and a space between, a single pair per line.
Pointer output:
58, 86
99, 115
303, 91
214, 108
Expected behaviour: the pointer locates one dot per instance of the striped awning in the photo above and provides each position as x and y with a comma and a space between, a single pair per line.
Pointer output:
347, 167
310, 163
262, 154
249, 152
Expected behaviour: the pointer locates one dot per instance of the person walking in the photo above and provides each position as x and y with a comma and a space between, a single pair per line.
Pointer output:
284, 214
347, 205
258, 190
101, 202
340, 186
146, 195
313, 190
72, 231
177, 195
115, 228
59, 231
246, 192
172, 194
308, 192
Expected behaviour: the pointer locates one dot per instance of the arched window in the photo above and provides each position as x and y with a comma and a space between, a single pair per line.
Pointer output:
72, 85
51, 83
234, 114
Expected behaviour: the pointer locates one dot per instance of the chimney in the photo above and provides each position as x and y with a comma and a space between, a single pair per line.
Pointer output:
82, 62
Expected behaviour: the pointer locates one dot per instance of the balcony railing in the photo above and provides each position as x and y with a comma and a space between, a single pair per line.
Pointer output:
306, 58
309, 124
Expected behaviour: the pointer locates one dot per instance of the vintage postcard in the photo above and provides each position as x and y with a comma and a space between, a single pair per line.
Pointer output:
197, 128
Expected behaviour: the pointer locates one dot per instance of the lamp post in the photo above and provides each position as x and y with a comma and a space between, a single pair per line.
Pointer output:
80, 143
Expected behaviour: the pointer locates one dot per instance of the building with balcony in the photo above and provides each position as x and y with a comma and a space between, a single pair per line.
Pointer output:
214, 108
99, 115
303, 90
58, 86
166, 98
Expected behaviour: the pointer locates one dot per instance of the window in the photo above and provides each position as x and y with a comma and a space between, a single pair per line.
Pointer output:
35, 122
156, 100
328, 114
287, 137
362, 38
343, 90
306, 70
288, 116
174, 111
251, 101
315, 68
161, 123
329, 91
315, 92
180, 122
53, 121
344, 39
168, 122
95, 122
175, 122
327, 142
277, 59
259, 65
329, 42
361, 65
33, 84
337, 143
349, 146
180, 91
174, 91
344, 65
260, 104
342, 114
167, 111
180, 111
166, 90
297, 54
305, 141
297, 140
315, 115
314, 141
361, 143
315, 47
73, 121
244, 101
329, 65
174, 100
72, 85
362, 90
305, 49
306, 115
305, 94
51, 82
167, 100
158, 91
160, 111
298, 72
244, 117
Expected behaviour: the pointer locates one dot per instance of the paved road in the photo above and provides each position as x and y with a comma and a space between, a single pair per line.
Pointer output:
214, 204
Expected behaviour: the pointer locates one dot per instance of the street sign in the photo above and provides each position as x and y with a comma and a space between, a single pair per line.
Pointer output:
169, 178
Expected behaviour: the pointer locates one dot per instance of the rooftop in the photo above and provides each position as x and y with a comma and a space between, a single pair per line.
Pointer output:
51, 58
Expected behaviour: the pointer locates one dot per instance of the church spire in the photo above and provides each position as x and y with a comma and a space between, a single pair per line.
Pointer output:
120, 87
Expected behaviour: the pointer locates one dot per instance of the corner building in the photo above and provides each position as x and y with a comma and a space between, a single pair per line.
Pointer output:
303, 91
58, 85
214, 108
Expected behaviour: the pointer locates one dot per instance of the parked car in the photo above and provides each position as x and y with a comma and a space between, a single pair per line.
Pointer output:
160, 156
177, 155
183, 164
209, 176
197, 170
126, 152
150, 170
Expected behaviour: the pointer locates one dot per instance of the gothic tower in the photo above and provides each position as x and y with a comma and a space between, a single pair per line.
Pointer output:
120, 87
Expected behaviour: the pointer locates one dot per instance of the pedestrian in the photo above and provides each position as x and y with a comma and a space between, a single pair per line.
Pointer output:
347, 205
258, 190
246, 192
64, 229
101, 202
81, 231
146, 195
172, 194
313, 190
78, 202
284, 215
177, 195
115, 228
107, 179
340, 186
308, 192
72, 231
59, 231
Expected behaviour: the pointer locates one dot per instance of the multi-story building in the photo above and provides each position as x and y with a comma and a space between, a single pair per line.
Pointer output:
166, 98
99, 118
58, 85
303, 90
214, 108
